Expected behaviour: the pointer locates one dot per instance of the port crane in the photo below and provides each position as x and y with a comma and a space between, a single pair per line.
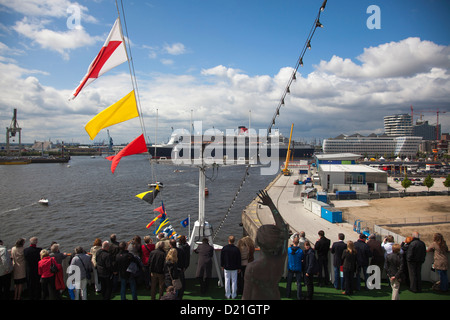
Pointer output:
437, 118
11, 132
286, 171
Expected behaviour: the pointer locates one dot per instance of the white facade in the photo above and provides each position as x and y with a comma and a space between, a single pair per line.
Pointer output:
399, 146
398, 125
356, 177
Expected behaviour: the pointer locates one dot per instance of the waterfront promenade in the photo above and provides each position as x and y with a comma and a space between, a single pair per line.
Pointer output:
286, 197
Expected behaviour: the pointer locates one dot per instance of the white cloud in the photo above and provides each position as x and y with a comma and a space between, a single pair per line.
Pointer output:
338, 97
61, 42
394, 59
46, 8
167, 62
175, 49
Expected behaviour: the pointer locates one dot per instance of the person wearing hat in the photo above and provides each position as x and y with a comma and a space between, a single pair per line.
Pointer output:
363, 254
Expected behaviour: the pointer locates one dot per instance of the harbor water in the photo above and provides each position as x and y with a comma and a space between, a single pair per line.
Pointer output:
87, 201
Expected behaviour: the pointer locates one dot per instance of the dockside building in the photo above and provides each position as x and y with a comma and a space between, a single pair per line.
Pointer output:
373, 145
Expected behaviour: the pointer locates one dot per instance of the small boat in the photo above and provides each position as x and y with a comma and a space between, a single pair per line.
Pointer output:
157, 183
43, 201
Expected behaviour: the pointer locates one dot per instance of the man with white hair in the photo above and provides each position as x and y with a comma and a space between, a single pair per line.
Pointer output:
32, 257
415, 257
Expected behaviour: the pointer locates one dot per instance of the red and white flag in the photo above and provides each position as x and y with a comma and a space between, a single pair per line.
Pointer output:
112, 54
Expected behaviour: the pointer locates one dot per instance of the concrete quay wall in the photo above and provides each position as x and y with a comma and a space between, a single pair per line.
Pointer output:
285, 195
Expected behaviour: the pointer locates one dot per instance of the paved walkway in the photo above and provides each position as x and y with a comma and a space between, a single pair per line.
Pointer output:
291, 207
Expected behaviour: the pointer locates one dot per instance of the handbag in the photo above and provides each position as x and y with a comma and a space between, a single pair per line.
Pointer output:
53, 267
133, 268
176, 283
88, 272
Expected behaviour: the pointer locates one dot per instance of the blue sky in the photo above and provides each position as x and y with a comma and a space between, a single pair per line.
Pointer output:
223, 59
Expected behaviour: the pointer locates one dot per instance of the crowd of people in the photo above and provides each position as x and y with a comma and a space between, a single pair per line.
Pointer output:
110, 266
402, 263
113, 266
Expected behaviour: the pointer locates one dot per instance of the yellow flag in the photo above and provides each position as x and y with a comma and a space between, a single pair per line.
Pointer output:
123, 110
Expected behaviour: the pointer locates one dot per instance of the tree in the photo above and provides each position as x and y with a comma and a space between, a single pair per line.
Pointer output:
447, 182
428, 182
406, 183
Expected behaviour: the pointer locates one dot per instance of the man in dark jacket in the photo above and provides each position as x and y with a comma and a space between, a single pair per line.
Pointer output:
204, 266
322, 248
310, 268
230, 261
363, 254
186, 249
156, 267
32, 257
377, 251
415, 257
104, 270
123, 259
180, 266
395, 270
337, 249
114, 250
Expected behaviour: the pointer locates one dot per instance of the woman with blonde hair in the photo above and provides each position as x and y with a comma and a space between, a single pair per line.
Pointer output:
440, 264
349, 267
96, 247
47, 275
171, 271
247, 248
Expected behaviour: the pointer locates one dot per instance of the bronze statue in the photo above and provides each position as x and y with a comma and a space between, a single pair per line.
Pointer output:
263, 275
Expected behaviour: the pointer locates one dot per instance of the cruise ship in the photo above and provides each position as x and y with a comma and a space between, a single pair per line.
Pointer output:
241, 144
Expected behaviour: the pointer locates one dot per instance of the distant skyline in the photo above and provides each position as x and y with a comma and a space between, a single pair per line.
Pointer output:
222, 61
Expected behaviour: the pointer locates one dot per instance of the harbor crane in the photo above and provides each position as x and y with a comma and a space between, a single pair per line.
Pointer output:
286, 171
11, 132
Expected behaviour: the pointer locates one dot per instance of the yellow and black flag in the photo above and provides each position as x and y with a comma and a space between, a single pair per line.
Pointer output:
149, 196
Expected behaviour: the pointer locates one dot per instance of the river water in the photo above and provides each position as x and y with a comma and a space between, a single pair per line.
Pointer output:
87, 201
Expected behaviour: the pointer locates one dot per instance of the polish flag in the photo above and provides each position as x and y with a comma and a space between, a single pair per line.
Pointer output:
112, 54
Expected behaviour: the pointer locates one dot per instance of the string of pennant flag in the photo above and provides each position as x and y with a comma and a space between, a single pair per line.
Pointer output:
112, 54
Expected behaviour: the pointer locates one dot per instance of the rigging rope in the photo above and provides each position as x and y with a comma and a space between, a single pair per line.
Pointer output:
299, 63
233, 201
135, 87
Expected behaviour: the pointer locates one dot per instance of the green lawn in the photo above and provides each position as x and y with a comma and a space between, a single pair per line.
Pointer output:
215, 292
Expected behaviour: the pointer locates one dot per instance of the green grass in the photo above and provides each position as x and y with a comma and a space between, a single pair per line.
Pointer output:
215, 292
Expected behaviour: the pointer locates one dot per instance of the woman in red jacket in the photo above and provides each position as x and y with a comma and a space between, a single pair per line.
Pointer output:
47, 276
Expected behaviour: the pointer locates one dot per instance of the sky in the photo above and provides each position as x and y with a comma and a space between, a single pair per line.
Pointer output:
226, 64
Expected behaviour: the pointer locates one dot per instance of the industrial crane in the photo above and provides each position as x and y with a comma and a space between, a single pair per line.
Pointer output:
286, 171
12, 130
437, 118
